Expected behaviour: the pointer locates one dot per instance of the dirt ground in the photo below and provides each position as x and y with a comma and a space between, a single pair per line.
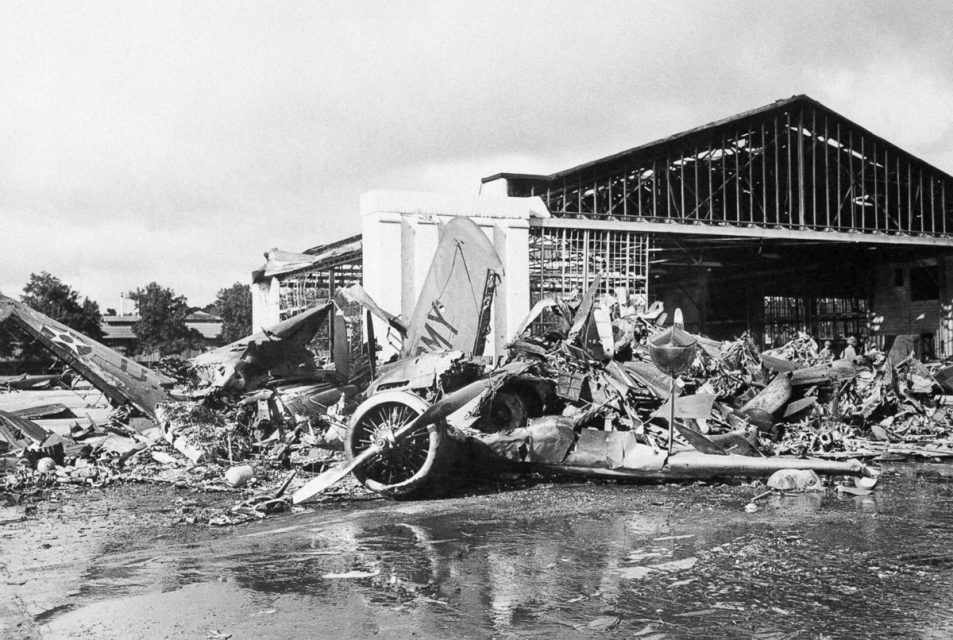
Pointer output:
559, 560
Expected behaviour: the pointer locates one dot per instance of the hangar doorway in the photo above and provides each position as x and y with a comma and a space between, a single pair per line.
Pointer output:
775, 288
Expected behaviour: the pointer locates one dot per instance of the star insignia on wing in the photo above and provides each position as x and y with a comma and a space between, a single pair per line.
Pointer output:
68, 341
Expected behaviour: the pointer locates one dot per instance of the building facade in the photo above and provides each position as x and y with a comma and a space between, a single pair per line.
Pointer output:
784, 218
118, 333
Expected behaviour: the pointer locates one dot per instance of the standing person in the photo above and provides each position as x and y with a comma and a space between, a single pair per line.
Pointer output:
826, 353
850, 351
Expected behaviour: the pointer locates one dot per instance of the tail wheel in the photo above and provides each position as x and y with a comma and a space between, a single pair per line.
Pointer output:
407, 466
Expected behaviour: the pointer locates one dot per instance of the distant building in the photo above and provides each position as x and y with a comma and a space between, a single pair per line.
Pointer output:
208, 324
118, 334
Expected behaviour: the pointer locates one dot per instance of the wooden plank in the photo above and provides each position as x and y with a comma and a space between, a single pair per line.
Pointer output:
876, 200
625, 194
777, 174
681, 186
654, 190
639, 190
909, 198
814, 166
837, 172
787, 136
711, 199
668, 188
863, 186
696, 163
800, 168
827, 176
764, 176
886, 190
724, 182
850, 173
932, 208
737, 152
750, 176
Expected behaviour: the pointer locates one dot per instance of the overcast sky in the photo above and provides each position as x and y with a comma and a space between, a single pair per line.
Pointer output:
176, 142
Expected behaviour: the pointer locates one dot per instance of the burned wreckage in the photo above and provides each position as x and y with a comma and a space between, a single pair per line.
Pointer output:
584, 398
595, 390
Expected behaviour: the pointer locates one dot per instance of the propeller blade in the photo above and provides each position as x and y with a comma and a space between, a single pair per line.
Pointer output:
333, 475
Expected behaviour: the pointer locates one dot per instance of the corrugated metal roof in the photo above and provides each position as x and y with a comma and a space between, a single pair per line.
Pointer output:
321, 257
350, 243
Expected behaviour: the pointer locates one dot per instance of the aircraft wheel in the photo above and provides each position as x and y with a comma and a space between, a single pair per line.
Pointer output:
407, 468
507, 411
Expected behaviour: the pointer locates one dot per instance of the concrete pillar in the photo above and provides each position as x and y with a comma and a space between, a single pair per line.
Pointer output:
400, 234
265, 309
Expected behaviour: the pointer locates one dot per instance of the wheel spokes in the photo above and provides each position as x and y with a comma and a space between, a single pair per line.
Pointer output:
403, 459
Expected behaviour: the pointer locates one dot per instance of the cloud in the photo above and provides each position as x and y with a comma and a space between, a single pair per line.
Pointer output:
177, 141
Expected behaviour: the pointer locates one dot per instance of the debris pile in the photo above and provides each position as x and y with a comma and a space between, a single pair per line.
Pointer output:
582, 393
877, 406
190, 446
597, 387
595, 392
262, 399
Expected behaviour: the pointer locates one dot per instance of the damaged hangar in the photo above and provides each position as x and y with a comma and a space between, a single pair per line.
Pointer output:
787, 217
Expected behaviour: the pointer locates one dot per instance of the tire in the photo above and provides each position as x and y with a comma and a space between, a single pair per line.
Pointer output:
507, 411
409, 468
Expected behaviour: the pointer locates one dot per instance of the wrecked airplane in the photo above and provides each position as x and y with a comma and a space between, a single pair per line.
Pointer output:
561, 403
119, 378
584, 396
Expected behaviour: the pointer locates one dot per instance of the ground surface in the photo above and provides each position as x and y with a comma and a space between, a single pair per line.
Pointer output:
552, 561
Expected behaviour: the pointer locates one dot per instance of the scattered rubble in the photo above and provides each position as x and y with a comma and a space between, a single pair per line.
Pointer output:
872, 408
594, 387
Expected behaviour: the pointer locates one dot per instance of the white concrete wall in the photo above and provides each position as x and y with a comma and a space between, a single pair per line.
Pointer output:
400, 237
264, 304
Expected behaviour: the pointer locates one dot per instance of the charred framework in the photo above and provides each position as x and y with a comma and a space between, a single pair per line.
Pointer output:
794, 164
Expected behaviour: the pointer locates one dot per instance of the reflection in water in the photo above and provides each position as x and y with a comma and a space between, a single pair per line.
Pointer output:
668, 561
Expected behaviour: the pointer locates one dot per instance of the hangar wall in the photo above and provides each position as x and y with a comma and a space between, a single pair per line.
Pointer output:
399, 230
912, 295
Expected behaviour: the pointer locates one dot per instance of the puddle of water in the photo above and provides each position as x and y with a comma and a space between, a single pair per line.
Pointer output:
641, 571
666, 561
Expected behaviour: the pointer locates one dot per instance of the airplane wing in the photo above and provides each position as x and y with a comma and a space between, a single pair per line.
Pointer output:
452, 310
282, 345
116, 376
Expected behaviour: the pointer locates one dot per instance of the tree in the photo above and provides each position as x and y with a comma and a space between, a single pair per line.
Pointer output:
161, 325
51, 296
8, 338
233, 305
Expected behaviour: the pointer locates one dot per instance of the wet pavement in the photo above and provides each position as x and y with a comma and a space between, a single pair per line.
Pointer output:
552, 561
